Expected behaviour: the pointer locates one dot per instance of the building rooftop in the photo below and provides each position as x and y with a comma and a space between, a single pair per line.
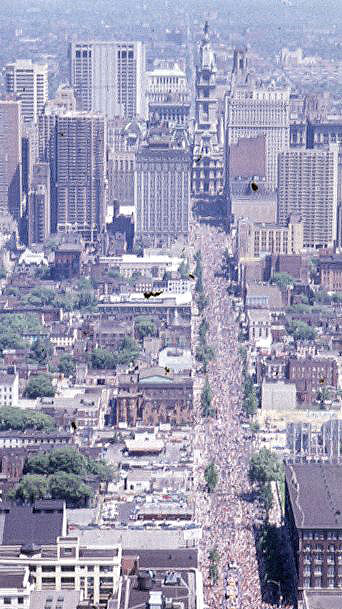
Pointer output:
329, 599
65, 599
27, 524
323, 481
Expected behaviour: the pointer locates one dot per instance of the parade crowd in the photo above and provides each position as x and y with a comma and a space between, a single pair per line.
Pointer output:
226, 517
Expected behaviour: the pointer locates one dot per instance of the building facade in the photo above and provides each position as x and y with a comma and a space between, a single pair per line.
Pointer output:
79, 167
162, 188
109, 77
207, 156
256, 238
30, 81
39, 202
256, 109
10, 156
310, 375
315, 527
307, 184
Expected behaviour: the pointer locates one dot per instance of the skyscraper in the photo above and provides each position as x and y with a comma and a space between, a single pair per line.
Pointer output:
253, 109
29, 81
162, 188
39, 204
207, 162
10, 156
109, 77
79, 168
307, 184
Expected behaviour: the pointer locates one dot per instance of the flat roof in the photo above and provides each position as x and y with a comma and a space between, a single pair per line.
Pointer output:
330, 599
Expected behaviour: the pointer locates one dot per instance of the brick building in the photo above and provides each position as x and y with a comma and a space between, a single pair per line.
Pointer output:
315, 526
310, 375
330, 272
154, 396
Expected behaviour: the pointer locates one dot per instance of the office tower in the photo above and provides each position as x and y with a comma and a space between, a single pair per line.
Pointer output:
30, 81
254, 239
207, 161
10, 156
253, 109
79, 171
109, 77
168, 95
29, 152
162, 188
39, 204
307, 184
121, 164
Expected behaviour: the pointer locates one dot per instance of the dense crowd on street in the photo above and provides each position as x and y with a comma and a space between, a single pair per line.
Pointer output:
227, 519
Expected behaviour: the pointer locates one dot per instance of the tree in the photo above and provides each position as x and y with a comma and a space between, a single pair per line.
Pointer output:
103, 359
66, 365
30, 489
22, 419
206, 397
145, 326
86, 299
282, 280
138, 248
264, 467
211, 477
100, 470
67, 459
250, 400
300, 330
2, 273
41, 350
70, 488
41, 296
12, 328
203, 329
128, 350
202, 302
37, 464
266, 497
39, 386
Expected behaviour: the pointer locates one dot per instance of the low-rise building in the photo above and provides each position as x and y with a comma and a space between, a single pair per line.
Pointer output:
9, 387
66, 564
310, 375
330, 272
278, 395
15, 587
259, 327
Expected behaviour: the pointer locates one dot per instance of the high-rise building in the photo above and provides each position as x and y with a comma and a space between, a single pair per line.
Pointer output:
256, 109
307, 185
207, 161
30, 81
162, 188
109, 77
254, 239
121, 164
39, 204
79, 168
10, 156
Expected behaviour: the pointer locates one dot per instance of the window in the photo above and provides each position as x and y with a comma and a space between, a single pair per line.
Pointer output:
7, 600
20, 600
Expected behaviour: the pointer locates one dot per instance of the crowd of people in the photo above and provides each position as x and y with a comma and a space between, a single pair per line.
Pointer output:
226, 517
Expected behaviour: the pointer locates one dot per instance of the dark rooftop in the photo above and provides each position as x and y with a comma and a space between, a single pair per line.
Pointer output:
323, 481
165, 559
27, 524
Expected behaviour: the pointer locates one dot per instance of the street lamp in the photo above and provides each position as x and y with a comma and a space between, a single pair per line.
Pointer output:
272, 581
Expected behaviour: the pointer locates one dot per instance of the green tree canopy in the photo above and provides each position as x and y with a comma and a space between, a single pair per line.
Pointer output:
128, 350
300, 330
145, 326
265, 467
282, 280
22, 419
70, 488
206, 398
39, 386
211, 477
12, 327
41, 350
103, 359
66, 365
30, 489
184, 269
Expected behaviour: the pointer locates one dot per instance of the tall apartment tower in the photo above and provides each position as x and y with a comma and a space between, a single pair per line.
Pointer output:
162, 188
39, 204
10, 156
307, 184
253, 109
79, 171
207, 162
109, 77
29, 81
